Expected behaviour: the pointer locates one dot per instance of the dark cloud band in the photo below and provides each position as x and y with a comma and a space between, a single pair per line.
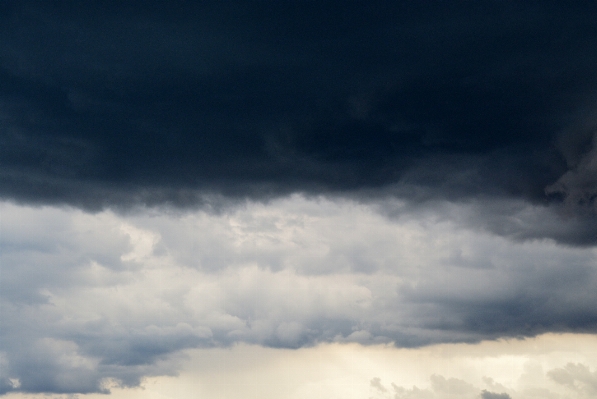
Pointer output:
104, 105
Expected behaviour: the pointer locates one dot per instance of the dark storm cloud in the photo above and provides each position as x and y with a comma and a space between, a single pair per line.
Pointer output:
106, 104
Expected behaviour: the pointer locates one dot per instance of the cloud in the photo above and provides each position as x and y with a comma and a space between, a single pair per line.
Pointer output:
178, 105
491, 395
376, 383
579, 185
576, 376
451, 386
180, 175
441, 388
120, 297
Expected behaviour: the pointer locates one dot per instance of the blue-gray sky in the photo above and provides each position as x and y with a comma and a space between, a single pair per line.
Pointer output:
411, 173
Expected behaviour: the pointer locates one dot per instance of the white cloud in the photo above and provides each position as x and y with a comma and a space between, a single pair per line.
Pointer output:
123, 295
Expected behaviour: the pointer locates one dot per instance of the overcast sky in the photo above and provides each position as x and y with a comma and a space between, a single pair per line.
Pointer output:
282, 187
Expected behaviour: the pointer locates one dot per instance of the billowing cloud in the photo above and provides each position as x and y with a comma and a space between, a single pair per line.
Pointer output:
94, 298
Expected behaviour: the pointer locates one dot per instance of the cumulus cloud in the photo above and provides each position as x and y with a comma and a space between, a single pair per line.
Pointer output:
90, 298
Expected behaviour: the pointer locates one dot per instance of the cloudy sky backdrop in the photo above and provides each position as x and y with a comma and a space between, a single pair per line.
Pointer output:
376, 199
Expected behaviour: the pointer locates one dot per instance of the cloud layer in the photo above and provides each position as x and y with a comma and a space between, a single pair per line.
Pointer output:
110, 105
93, 298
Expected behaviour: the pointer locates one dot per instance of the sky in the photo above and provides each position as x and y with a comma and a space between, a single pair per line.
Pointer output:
368, 200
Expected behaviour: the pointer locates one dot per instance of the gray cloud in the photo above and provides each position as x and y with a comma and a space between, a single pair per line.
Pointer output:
579, 185
172, 105
576, 376
376, 384
491, 395
514, 219
106, 297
